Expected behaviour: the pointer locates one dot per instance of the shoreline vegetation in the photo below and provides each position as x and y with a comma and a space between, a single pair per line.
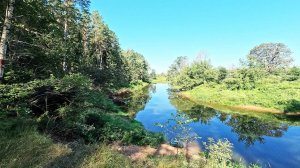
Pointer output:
82, 133
215, 103
67, 90
265, 81
262, 113
159, 79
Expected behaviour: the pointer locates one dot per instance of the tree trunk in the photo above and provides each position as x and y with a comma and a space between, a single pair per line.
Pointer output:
85, 45
4, 36
66, 27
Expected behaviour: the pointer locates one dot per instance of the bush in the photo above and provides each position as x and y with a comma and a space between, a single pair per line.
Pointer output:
233, 83
293, 74
219, 153
222, 74
71, 108
13, 100
129, 132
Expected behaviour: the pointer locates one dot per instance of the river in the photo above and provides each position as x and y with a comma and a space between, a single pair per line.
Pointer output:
255, 140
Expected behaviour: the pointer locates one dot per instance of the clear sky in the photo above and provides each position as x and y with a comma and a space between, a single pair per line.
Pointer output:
226, 30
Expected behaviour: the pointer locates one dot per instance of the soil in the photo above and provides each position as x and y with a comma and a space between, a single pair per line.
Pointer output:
134, 152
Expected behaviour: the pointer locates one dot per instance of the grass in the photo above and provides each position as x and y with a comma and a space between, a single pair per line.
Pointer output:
29, 148
92, 118
271, 97
26, 147
160, 79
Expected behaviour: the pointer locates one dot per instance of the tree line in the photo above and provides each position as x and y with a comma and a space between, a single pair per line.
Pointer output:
265, 61
40, 38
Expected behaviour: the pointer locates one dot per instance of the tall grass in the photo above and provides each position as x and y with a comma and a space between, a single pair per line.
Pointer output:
26, 148
281, 96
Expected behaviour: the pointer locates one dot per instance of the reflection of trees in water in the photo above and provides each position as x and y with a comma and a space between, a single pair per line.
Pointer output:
223, 117
251, 129
138, 99
152, 89
202, 114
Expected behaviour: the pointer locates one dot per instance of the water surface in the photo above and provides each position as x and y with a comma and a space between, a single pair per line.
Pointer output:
255, 140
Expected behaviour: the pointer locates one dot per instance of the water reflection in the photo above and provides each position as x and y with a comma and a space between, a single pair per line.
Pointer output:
201, 113
138, 99
263, 139
249, 129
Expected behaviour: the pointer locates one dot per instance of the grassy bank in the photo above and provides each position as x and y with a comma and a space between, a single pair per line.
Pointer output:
69, 122
66, 122
160, 79
27, 147
270, 97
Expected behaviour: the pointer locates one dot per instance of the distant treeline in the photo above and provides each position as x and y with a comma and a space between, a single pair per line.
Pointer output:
267, 62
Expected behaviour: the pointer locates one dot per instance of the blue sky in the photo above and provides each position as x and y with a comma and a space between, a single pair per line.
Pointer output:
226, 30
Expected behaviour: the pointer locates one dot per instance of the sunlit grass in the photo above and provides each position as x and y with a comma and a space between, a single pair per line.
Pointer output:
160, 79
274, 96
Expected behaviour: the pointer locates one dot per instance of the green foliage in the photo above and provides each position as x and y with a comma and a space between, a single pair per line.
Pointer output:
96, 126
152, 75
139, 96
233, 83
70, 108
222, 74
138, 68
270, 56
219, 153
177, 66
293, 74
186, 77
71, 40
272, 93
27, 148
264, 80
129, 132
104, 156
202, 72
243, 78
161, 78
266, 66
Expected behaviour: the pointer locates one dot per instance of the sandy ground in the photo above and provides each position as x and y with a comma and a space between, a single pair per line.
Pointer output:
135, 152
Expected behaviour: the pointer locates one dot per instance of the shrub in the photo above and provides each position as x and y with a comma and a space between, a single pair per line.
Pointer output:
233, 83
219, 154
222, 74
293, 74
129, 132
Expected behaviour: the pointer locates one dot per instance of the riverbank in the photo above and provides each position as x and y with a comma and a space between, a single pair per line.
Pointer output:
80, 133
30, 148
54, 119
27, 147
159, 79
276, 98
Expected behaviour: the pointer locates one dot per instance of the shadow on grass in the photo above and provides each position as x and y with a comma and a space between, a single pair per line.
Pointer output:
73, 159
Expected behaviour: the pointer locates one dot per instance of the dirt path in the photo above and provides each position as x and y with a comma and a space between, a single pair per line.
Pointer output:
135, 152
